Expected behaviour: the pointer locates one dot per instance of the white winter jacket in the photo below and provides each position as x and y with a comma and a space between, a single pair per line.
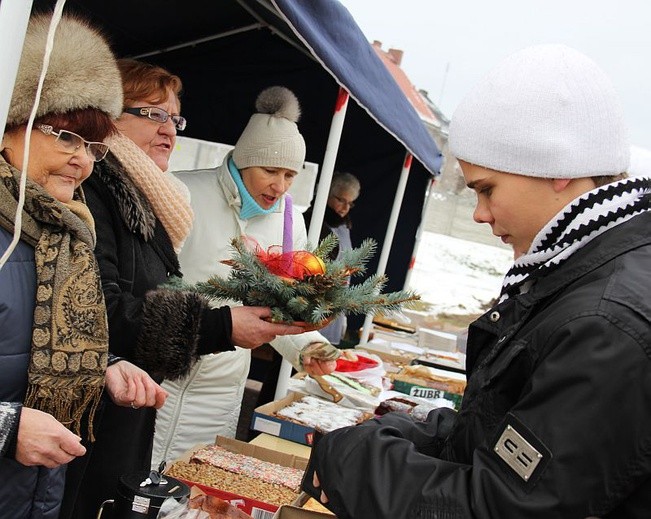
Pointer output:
207, 402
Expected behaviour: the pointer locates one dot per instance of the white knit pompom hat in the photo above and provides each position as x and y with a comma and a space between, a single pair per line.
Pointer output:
271, 137
545, 111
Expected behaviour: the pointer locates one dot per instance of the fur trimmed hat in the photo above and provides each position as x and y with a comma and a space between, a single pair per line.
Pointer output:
545, 111
271, 137
82, 72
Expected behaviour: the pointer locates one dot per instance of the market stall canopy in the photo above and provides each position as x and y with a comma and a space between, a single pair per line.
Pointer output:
227, 51
335, 39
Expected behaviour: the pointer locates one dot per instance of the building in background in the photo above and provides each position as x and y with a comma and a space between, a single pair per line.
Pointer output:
449, 207
433, 119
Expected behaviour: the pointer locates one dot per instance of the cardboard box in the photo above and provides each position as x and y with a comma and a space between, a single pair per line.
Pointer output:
253, 507
429, 339
449, 361
394, 337
294, 512
281, 445
430, 383
389, 354
263, 421
427, 393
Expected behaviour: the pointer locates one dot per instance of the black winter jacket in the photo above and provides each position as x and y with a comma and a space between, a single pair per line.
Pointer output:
555, 421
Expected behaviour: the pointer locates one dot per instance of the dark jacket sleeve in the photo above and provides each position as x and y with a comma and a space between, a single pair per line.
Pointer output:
9, 421
592, 448
163, 331
382, 466
184, 327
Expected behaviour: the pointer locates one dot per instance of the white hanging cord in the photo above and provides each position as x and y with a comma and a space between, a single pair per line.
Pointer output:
56, 17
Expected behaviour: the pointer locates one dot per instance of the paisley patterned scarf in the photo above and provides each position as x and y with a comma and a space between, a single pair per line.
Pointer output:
70, 333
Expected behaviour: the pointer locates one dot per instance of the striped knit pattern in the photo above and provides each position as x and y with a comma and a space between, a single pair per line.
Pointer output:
581, 221
8, 425
168, 202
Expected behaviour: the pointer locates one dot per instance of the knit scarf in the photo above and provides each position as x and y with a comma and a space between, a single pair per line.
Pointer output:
70, 332
577, 224
167, 201
250, 207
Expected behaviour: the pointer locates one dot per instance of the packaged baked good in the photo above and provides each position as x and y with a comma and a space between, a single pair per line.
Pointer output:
216, 508
220, 468
320, 414
418, 408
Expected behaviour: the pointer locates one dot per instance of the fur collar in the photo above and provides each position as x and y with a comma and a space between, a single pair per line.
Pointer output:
134, 208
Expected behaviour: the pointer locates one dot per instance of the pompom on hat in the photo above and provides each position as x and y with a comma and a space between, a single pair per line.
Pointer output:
545, 111
271, 137
82, 72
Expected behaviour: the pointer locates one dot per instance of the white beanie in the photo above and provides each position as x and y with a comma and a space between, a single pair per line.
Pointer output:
545, 111
271, 137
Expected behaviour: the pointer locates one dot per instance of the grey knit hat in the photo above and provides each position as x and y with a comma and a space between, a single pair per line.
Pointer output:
82, 72
271, 137
545, 111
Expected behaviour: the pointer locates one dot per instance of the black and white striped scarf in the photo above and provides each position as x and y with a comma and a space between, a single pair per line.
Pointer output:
577, 224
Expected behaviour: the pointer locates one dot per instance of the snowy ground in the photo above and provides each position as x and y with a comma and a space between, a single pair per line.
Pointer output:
458, 276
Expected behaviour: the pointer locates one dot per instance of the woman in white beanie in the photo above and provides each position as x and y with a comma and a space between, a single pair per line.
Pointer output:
555, 418
53, 326
246, 195
142, 219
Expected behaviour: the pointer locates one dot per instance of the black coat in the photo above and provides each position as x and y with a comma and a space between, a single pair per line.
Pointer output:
330, 221
163, 331
559, 385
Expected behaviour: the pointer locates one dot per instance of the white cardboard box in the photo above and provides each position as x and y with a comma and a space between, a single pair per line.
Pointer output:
429, 339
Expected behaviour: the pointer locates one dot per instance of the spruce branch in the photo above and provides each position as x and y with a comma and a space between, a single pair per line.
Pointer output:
326, 246
313, 299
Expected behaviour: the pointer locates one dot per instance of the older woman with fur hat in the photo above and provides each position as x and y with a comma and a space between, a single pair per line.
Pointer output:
54, 340
246, 195
142, 218
555, 417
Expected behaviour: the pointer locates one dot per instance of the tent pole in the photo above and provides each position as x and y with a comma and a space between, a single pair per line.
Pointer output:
388, 238
320, 201
328, 167
14, 16
419, 234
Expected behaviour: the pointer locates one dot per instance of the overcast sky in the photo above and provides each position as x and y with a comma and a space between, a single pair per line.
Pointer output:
450, 44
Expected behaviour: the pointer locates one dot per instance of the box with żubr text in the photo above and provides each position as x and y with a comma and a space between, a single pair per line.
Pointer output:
430, 383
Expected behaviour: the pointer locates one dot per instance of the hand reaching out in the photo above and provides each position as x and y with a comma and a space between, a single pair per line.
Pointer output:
128, 385
250, 329
42, 440
319, 358
314, 366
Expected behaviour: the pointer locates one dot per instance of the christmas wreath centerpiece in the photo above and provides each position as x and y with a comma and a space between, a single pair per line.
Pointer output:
303, 286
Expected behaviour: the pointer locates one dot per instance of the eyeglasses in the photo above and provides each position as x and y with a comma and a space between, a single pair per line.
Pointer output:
70, 142
344, 201
157, 114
